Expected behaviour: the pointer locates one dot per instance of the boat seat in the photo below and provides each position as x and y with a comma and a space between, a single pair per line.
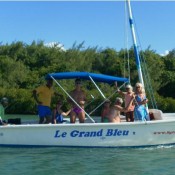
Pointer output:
157, 114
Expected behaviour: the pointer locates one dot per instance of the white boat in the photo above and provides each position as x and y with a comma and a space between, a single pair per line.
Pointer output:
160, 131
135, 134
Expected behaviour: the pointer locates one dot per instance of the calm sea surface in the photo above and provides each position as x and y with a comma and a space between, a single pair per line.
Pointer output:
88, 161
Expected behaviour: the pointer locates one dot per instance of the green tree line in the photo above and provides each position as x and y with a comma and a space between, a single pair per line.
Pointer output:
23, 67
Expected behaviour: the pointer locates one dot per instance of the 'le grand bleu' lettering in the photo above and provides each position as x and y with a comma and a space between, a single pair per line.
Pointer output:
100, 133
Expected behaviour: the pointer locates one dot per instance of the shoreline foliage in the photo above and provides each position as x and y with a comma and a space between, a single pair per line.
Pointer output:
23, 67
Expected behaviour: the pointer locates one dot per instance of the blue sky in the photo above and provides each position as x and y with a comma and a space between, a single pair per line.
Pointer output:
100, 23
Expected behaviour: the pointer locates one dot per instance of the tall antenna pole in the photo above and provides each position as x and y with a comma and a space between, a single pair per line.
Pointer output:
136, 52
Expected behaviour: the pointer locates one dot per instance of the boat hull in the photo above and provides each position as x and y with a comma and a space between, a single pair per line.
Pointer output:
136, 134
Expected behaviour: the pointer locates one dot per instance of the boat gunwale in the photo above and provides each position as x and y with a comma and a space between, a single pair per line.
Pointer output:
154, 122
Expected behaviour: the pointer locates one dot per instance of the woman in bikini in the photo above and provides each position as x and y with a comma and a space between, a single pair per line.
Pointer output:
79, 96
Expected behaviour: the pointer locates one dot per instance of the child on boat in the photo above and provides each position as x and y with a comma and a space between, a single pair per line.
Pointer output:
58, 114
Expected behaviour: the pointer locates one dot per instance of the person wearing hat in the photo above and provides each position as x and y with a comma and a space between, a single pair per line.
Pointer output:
128, 97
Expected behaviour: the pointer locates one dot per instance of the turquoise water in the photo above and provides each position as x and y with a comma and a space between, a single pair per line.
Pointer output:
87, 161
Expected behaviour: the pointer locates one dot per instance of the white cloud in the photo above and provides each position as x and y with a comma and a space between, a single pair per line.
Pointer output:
165, 53
55, 44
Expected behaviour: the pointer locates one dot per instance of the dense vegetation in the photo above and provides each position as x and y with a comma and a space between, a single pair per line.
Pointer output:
23, 67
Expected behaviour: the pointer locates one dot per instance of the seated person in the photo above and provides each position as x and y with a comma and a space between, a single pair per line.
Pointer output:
58, 113
114, 112
43, 95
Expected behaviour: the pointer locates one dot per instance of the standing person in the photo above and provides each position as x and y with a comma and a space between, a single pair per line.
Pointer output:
140, 111
58, 113
128, 97
42, 96
79, 95
105, 111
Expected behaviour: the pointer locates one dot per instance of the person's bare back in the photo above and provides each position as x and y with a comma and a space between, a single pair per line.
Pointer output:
114, 112
114, 115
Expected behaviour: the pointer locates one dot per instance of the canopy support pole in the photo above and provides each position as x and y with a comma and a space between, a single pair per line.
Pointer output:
72, 99
106, 99
97, 87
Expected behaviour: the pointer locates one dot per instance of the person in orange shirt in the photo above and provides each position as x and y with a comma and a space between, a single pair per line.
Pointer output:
42, 96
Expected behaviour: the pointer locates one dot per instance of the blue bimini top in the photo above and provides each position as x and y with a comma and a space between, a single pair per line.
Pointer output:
86, 76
